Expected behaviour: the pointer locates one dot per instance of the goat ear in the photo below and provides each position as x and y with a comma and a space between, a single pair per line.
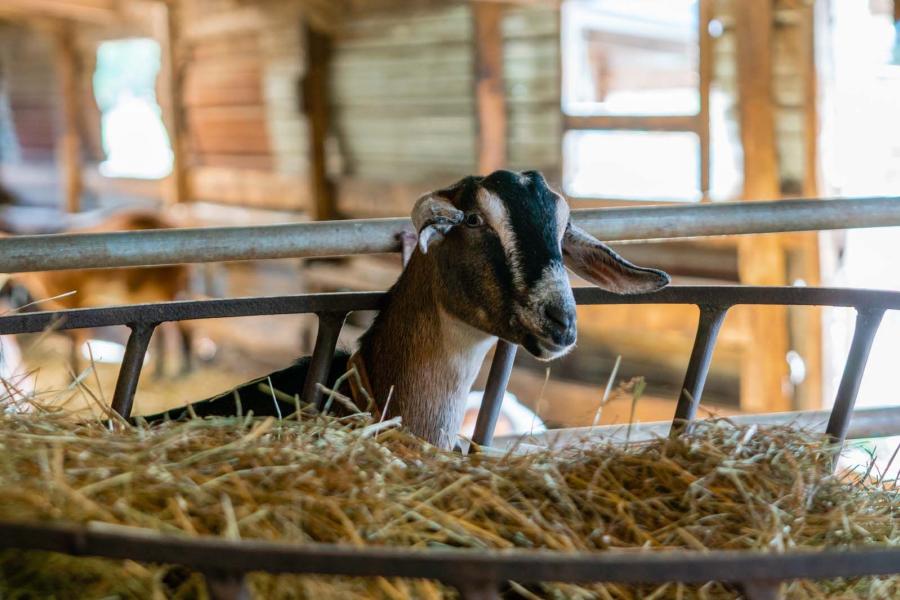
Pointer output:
433, 217
593, 260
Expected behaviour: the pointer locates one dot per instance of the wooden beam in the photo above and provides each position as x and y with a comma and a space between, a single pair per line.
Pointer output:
810, 103
808, 322
754, 22
761, 258
68, 145
633, 122
92, 11
490, 94
705, 69
316, 104
169, 86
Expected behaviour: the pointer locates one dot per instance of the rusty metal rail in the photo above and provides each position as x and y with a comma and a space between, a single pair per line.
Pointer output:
336, 238
476, 574
332, 309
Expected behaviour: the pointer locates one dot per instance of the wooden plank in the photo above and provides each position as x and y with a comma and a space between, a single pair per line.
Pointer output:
248, 188
490, 93
256, 162
761, 258
361, 198
706, 75
91, 11
170, 89
633, 122
395, 64
234, 46
316, 103
419, 86
811, 338
69, 141
810, 104
238, 20
204, 95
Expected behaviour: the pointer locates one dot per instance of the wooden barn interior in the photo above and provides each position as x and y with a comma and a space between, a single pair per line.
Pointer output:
237, 112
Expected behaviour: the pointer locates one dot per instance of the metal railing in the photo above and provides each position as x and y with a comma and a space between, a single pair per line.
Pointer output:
339, 238
477, 574
332, 309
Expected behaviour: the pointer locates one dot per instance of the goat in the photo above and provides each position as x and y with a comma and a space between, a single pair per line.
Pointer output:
106, 287
489, 263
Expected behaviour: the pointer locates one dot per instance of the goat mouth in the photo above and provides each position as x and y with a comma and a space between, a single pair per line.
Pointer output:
545, 349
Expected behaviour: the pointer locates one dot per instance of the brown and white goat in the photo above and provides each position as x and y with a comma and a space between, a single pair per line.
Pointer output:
489, 263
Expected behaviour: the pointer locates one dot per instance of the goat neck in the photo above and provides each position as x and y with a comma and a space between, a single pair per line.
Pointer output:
428, 356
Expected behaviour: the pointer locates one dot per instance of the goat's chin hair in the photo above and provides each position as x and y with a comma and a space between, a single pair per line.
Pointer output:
546, 357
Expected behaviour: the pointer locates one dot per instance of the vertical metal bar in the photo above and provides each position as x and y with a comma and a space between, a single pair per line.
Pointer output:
711, 319
867, 322
498, 379
705, 71
323, 353
478, 590
132, 363
760, 590
222, 586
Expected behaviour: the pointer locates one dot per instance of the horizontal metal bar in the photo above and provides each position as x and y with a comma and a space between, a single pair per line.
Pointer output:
451, 566
337, 238
162, 312
734, 295
864, 423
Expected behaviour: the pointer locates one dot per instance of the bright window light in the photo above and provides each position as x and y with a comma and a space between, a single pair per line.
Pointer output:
632, 165
135, 140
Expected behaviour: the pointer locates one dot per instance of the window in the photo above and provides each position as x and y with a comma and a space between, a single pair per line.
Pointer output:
9, 144
636, 99
134, 138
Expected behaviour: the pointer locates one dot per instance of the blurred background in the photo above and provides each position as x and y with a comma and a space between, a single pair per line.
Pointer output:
132, 114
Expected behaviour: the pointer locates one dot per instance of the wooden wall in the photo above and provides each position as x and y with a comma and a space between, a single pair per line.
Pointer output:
531, 48
31, 89
31, 93
403, 101
240, 66
790, 60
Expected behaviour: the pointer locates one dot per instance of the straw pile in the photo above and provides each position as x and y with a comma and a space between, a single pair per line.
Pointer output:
311, 479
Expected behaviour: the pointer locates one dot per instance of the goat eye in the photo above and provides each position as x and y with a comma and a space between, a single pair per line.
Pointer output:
474, 220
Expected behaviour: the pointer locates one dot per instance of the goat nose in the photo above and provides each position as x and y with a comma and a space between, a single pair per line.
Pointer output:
561, 320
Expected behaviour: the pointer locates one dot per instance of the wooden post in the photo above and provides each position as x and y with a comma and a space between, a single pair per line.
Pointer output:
896, 11
761, 258
705, 68
809, 320
315, 101
68, 145
490, 94
165, 21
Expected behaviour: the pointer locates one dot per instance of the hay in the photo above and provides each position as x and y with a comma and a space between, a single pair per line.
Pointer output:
310, 478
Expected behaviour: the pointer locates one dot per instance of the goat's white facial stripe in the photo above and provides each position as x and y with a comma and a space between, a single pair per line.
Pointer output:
497, 216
